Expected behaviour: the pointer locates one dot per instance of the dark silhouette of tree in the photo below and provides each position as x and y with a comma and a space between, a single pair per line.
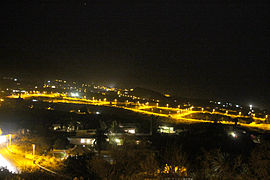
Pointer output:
100, 140
61, 143
126, 162
7, 175
259, 162
219, 165
78, 166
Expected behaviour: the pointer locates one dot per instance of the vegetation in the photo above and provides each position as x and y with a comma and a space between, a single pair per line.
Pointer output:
200, 151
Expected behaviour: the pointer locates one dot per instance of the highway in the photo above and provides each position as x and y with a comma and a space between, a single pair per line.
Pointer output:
175, 113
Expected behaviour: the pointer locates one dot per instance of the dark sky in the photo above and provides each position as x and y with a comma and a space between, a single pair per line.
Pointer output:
204, 49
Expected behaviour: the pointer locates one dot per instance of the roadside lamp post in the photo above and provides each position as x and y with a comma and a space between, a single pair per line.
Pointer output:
34, 149
126, 103
9, 139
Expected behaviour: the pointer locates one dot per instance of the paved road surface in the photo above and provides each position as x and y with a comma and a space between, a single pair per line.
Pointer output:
14, 162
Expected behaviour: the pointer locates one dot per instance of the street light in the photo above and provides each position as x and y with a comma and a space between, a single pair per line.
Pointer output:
9, 139
34, 149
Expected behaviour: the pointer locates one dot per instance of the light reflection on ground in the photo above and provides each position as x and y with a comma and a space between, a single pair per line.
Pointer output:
6, 164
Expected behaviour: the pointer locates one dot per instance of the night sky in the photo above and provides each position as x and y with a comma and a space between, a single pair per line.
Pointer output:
203, 50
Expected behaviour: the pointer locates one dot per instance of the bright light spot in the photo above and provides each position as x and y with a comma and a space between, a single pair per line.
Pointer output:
97, 112
166, 129
74, 94
88, 141
34, 100
3, 139
4, 163
131, 131
53, 87
118, 141
233, 134
15, 79
82, 141
219, 102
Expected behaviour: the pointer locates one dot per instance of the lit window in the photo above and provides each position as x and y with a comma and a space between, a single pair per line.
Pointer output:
131, 131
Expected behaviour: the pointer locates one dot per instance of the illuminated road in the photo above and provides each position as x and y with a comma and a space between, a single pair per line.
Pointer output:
13, 162
6, 164
174, 113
